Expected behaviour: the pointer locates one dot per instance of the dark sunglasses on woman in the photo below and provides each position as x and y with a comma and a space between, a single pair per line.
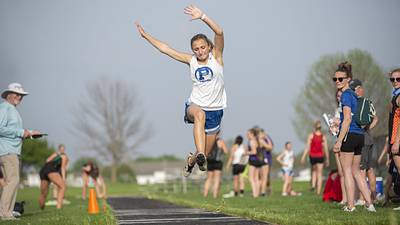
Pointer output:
340, 79
392, 79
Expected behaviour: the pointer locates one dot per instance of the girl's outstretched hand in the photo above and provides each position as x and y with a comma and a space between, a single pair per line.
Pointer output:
140, 29
193, 11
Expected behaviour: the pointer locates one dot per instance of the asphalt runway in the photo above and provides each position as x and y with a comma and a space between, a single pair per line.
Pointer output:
139, 210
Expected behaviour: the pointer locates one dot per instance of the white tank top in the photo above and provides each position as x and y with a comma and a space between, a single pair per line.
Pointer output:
238, 155
288, 159
208, 89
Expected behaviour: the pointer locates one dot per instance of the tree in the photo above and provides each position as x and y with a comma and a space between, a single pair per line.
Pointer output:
109, 121
318, 94
35, 152
125, 173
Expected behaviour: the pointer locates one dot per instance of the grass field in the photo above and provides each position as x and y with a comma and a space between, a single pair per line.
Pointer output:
72, 214
305, 209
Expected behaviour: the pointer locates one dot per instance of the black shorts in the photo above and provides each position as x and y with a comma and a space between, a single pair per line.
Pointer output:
264, 162
214, 165
46, 170
238, 169
256, 163
367, 157
315, 160
353, 143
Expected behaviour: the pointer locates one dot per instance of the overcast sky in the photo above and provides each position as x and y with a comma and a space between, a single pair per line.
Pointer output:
55, 47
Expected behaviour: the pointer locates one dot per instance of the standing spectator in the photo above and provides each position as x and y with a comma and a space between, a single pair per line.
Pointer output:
268, 155
367, 163
394, 125
350, 140
11, 135
286, 159
394, 119
334, 127
317, 149
256, 160
238, 158
266, 148
214, 167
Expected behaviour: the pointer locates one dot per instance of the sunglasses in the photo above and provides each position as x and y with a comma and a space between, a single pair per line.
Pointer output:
340, 79
392, 79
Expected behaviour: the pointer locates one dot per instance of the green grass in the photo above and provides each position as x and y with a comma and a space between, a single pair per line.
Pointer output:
72, 214
305, 209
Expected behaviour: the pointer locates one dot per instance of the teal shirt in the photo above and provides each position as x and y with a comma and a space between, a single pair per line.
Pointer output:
11, 130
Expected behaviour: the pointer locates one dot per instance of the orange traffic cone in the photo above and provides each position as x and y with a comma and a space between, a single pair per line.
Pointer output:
93, 207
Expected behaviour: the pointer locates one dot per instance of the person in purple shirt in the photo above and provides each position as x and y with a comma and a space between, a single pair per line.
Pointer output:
350, 140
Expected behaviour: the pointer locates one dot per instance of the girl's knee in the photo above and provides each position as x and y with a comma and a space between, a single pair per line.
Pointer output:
199, 116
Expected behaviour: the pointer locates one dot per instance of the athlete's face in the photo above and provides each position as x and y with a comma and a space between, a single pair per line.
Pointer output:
395, 76
201, 49
341, 80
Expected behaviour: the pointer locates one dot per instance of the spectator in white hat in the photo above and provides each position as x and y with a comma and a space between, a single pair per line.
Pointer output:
11, 135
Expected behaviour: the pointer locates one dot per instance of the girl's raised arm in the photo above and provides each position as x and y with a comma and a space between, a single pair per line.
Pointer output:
196, 13
163, 47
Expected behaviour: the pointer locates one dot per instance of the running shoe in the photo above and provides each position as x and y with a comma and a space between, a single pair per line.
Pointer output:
229, 195
201, 161
347, 209
397, 208
51, 203
370, 208
188, 168
359, 202
16, 214
342, 203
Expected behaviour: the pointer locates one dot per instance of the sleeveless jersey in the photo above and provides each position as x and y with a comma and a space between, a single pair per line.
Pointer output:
239, 157
316, 146
56, 162
288, 159
208, 89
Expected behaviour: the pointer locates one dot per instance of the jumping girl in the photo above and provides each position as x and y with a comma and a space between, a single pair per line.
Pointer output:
204, 108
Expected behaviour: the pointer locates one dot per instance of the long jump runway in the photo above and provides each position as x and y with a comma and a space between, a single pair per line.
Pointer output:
139, 210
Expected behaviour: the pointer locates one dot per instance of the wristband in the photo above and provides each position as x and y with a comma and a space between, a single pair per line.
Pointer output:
203, 16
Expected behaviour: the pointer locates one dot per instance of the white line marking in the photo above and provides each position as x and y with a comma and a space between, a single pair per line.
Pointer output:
161, 212
174, 220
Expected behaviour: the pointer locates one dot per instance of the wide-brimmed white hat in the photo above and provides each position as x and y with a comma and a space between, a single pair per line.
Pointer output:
15, 88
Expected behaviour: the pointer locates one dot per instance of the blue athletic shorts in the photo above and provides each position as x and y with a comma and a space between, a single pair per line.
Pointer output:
287, 171
213, 120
